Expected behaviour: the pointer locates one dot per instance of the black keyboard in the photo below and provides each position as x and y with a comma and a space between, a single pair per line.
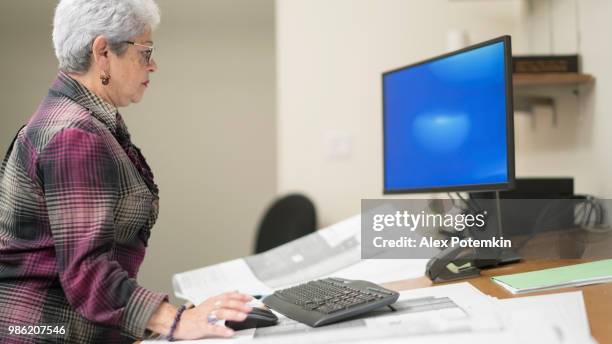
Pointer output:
329, 300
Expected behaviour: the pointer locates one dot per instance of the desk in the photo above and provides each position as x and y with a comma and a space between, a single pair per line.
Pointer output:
597, 298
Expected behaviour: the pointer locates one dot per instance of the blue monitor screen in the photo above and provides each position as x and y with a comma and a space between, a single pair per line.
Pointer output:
445, 122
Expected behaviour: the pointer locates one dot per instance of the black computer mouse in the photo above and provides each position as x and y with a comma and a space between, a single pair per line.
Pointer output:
258, 317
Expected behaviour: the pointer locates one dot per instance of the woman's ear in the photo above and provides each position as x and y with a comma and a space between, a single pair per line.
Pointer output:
99, 53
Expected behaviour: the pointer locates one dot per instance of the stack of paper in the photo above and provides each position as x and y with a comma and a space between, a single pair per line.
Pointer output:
455, 313
563, 277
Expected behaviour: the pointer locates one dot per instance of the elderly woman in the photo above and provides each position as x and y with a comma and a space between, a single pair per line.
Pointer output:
78, 200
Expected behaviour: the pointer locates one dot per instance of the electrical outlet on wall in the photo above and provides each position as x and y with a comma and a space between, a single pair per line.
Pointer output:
339, 145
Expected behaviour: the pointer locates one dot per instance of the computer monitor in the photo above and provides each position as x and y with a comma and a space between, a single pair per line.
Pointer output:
448, 122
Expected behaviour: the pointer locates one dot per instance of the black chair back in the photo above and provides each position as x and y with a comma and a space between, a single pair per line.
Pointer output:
288, 218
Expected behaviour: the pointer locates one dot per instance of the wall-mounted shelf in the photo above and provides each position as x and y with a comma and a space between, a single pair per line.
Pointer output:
526, 103
551, 79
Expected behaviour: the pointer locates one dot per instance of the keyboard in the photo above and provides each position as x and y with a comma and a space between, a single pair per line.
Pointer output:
329, 300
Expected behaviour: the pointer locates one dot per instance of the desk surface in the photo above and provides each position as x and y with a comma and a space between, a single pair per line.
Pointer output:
597, 298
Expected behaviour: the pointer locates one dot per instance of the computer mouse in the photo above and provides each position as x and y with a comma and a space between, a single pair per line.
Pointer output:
258, 317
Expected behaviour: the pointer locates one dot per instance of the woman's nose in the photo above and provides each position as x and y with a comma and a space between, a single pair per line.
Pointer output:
152, 65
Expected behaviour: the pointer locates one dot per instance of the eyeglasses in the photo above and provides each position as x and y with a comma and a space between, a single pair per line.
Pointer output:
146, 54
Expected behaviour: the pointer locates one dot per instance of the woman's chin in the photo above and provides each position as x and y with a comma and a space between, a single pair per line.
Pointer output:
137, 98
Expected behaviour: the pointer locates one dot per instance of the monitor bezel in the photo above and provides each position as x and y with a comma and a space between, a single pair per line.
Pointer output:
510, 151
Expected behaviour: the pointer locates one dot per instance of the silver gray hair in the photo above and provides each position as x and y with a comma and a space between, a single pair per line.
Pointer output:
78, 22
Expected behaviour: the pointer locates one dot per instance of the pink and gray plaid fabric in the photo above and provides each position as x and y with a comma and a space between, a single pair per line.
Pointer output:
77, 202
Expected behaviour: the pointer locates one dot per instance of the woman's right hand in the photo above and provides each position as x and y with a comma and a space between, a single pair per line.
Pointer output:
227, 306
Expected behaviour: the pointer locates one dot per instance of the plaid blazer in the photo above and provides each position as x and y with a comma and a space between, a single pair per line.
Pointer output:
75, 214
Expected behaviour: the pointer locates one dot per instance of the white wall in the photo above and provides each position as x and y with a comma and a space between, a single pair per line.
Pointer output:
208, 128
330, 56
206, 124
579, 145
27, 62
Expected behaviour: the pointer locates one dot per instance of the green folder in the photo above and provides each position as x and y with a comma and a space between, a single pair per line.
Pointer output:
563, 277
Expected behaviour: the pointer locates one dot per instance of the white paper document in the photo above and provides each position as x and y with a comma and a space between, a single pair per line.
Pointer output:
197, 285
564, 313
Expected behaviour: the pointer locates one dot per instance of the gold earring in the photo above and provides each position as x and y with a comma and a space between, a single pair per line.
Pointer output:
105, 79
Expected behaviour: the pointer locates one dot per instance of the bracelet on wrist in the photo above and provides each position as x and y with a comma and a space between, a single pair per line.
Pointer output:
177, 318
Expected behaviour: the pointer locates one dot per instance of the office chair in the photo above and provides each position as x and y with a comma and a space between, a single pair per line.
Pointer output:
288, 218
